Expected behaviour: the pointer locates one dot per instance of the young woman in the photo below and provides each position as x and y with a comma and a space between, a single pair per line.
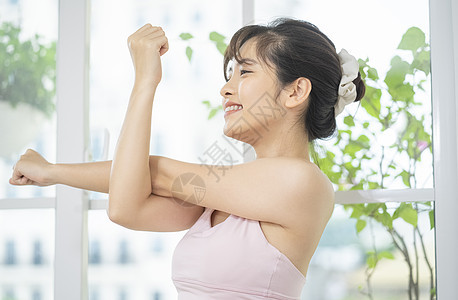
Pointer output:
253, 231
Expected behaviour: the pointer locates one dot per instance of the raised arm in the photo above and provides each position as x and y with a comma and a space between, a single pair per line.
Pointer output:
130, 180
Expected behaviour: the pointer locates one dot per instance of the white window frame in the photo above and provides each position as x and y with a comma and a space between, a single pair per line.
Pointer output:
444, 74
72, 205
71, 208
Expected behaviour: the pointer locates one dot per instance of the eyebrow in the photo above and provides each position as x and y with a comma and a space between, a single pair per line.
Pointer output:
245, 61
248, 61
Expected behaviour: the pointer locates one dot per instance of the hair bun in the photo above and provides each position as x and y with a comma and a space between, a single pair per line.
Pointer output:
360, 87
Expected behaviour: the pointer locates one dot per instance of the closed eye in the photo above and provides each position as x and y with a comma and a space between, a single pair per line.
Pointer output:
244, 71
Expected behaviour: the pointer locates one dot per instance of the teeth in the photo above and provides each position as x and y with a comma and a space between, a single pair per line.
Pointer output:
233, 107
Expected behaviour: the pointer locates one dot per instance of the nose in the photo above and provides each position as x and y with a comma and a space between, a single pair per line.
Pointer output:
227, 90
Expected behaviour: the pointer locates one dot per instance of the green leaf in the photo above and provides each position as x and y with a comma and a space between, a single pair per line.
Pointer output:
348, 120
371, 260
212, 113
189, 53
334, 176
431, 218
359, 186
330, 155
219, 41
216, 37
413, 39
422, 62
364, 141
386, 220
371, 207
409, 215
357, 211
221, 46
207, 103
403, 92
405, 177
373, 185
395, 77
366, 124
371, 101
398, 209
186, 36
351, 148
385, 254
360, 224
372, 74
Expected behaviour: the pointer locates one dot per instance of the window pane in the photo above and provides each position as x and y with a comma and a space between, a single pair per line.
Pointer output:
389, 132
27, 254
127, 264
345, 260
27, 87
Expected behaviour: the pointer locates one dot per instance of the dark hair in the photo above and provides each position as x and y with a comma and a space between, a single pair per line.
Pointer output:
296, 48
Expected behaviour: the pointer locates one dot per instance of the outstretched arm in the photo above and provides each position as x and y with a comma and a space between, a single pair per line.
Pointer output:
33, 169
91, 176
161, 214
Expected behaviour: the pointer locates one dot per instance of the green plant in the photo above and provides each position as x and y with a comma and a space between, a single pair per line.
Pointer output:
27, 70
386, 103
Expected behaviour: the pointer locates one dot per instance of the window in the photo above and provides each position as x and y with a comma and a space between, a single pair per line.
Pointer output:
30, 217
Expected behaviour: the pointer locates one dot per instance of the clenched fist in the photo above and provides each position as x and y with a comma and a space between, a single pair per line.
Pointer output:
31, 169
146, 46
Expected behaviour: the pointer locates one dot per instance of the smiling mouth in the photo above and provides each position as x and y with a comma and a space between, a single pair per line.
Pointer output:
232, 111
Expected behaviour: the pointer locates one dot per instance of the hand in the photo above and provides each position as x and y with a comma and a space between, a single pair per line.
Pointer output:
31, 169
146, 46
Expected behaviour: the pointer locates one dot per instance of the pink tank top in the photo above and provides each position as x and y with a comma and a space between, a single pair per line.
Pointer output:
232, 260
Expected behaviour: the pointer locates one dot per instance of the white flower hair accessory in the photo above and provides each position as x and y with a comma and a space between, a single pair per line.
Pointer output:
347, 89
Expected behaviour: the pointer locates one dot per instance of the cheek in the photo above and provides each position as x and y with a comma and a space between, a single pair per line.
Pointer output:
252, 90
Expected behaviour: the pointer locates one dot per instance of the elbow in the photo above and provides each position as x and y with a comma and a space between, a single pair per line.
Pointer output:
119, 218
114, 212
122, 212
113, 215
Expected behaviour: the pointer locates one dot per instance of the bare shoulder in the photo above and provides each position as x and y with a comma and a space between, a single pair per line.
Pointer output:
315, 195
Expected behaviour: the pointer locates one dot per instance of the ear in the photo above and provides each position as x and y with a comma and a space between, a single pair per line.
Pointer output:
298, 92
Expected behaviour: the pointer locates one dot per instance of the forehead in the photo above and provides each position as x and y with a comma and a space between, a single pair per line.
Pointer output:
247, 55
248, 49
